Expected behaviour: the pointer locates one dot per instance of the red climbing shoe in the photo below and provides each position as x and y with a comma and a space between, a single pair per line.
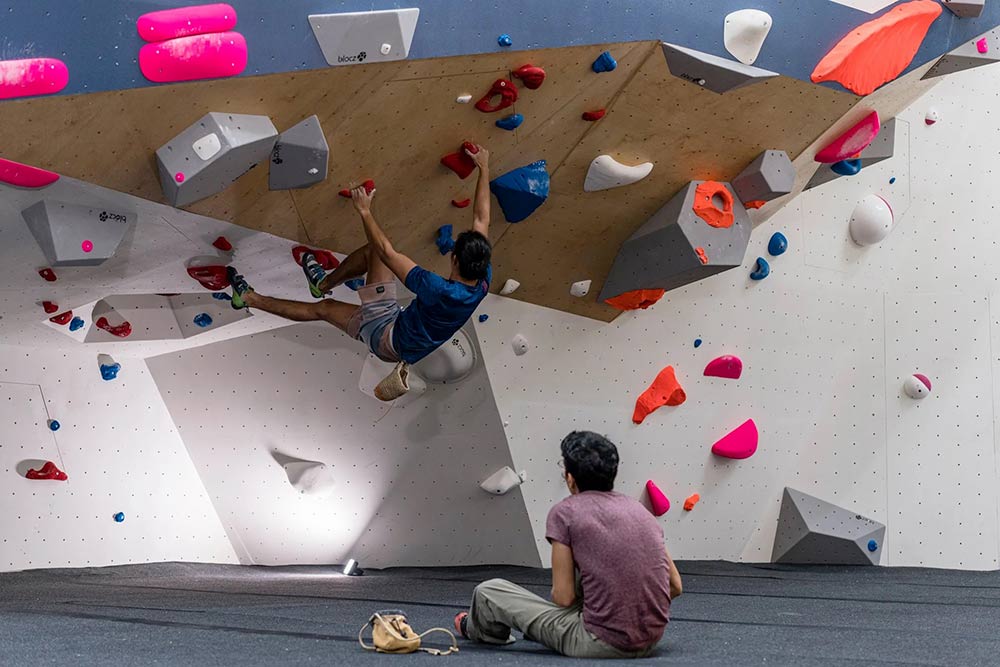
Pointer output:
123, 330
531, 76
369, 188
48, 471
503, 89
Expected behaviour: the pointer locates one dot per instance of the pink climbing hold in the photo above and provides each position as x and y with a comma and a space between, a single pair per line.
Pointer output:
32, 76
186, 21
738, 444
214, 56
726, 366
852, 142
924, 379
25, 176
983, 46
179, 177
87, 246
657, 500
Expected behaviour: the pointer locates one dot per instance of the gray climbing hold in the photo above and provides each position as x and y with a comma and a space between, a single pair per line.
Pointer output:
966, 9
882, 148
976, 52
72, 235
813, 531
768, 177
712, 72
300, 158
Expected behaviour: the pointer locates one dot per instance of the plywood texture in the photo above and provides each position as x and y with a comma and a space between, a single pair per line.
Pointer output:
393, 121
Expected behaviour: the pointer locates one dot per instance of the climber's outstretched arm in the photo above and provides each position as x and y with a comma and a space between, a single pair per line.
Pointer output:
481, 211
378, 243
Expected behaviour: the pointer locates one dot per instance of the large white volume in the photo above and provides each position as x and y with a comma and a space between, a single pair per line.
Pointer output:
503, 480
871, 221
745, 33
606, 172
352, 38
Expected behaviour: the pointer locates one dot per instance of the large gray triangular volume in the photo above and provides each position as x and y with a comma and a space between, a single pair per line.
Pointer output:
712, 72
968, 56
73, 235
300, 158
966, 9
813, 531
882, 148
768, 177
208, 156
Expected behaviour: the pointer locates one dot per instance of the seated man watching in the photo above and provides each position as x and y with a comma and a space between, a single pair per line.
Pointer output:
619, 606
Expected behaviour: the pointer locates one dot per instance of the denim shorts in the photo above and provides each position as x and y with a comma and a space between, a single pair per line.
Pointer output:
372, 322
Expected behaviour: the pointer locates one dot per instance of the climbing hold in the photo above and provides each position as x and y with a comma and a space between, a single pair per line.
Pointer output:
982, 45
109, 371
768, 177
369, 186
708, 210
503, 481
917, 386
67, 232
853, 141
531, 76
744, 34
605, 173
594, 115
223, 244
179, 177
511, 122
878, 51
777, 245
25, 176
740, 443
53, 425
123, 330
762, 270
847, 167
521, 191
32, 76
636, 299
657, 500
75, 323
221, 296
713, 73
814, 531
203, 320
186, 21
520, 344
691, 501
933, 116
702, 255
385, 49
48, 274
355, 283
665, 390
509, 287
87, 245
351, 38
62, 318
501, 88
483, 318
871, 220
211, 277
697, 343
872, 545
604, 63
444, 241
754, 203
505, 40
971, 54
300, 157
119, 517
727, 366
49, 471
892, 180
49, 307
580, 288
464, 98
461, 162
325, 258
461, 203
193, 58
966, 9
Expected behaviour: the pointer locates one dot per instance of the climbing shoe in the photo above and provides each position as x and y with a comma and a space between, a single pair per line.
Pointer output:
314, 273
240, 287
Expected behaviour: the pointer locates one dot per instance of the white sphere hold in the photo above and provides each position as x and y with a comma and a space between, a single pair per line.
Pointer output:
450, 363
871, 221
917, 386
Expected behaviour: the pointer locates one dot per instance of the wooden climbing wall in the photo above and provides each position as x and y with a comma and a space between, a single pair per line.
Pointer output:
393, 121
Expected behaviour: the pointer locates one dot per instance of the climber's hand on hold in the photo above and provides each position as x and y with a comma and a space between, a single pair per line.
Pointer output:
362, 199
481, 157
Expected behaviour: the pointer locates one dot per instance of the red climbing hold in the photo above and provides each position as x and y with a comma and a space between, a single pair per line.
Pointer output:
701, 255
49, 307
503, 89
223, 244
636, 299
211, 277
461, 203
123, 330
369, 188
657, 499
324, 257
48, 471
48, 274
665, 390
62, 318
460, 162
594, 115
531, 76
754, 203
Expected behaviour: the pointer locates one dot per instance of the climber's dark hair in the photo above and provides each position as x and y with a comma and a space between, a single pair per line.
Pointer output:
473, 251
592, 459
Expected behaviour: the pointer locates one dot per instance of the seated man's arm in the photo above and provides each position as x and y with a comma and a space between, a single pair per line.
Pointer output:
481, 209
676, 587
398, 263
563, 575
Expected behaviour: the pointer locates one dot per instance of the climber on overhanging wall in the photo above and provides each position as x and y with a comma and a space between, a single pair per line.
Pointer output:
394, 334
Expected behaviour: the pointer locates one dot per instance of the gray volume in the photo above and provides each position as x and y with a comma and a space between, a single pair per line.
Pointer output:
300, 158
74, 235
813, 531
712, 72
768, 177
881, 149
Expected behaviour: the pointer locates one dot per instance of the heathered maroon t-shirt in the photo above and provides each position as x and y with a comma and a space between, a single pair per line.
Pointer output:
619, 549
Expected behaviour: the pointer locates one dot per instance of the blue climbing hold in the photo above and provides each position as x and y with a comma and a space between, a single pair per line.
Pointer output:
53, 425
355, 283
510, 123
505, 40
892, 180
110, 371
444, 241
75, 323
846, 167
762, 271
777, 245
697, 343
872, 545
484, 317
604, 63
221, 296
522, 191
203, 320
119, 517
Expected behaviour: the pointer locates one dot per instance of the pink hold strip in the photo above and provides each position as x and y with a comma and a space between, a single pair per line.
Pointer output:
852, 142
25, 176
186, 21
740, 443
192, 58
32, 76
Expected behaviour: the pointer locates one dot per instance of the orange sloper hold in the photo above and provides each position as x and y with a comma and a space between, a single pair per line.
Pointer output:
877, 51
691, 501
665, 390
705, 208
636, 299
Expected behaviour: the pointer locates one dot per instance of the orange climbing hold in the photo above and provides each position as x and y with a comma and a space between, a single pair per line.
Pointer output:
755, 203
878, 51
665, 390
701, 255
705, 208
691, 501
636, 299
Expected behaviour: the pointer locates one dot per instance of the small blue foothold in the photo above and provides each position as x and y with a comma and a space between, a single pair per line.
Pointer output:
777, 245
604, 63
75, 323
872, 545
484, 317
510, 123
505, 40
54, 425
697, 342
110, 371
762, 271
221, 296
892, 180
444, 241
355, 284
846, 167
203, 320
119, 517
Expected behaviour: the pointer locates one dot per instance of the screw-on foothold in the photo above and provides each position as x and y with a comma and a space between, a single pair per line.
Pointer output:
872, 545
179, 177
697, 342
386, 49
505, 40
87, 246
53, 425
119, 517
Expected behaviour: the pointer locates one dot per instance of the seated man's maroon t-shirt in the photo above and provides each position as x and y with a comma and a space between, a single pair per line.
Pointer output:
619, 550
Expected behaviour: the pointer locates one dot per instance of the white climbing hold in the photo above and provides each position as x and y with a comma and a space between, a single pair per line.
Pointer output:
386, 49
314, 171
745, 33
933, 116
309, 477
606, 172
465, 98
509, 287
503, 480
871, 221
520, 344
580, 288
917, 386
